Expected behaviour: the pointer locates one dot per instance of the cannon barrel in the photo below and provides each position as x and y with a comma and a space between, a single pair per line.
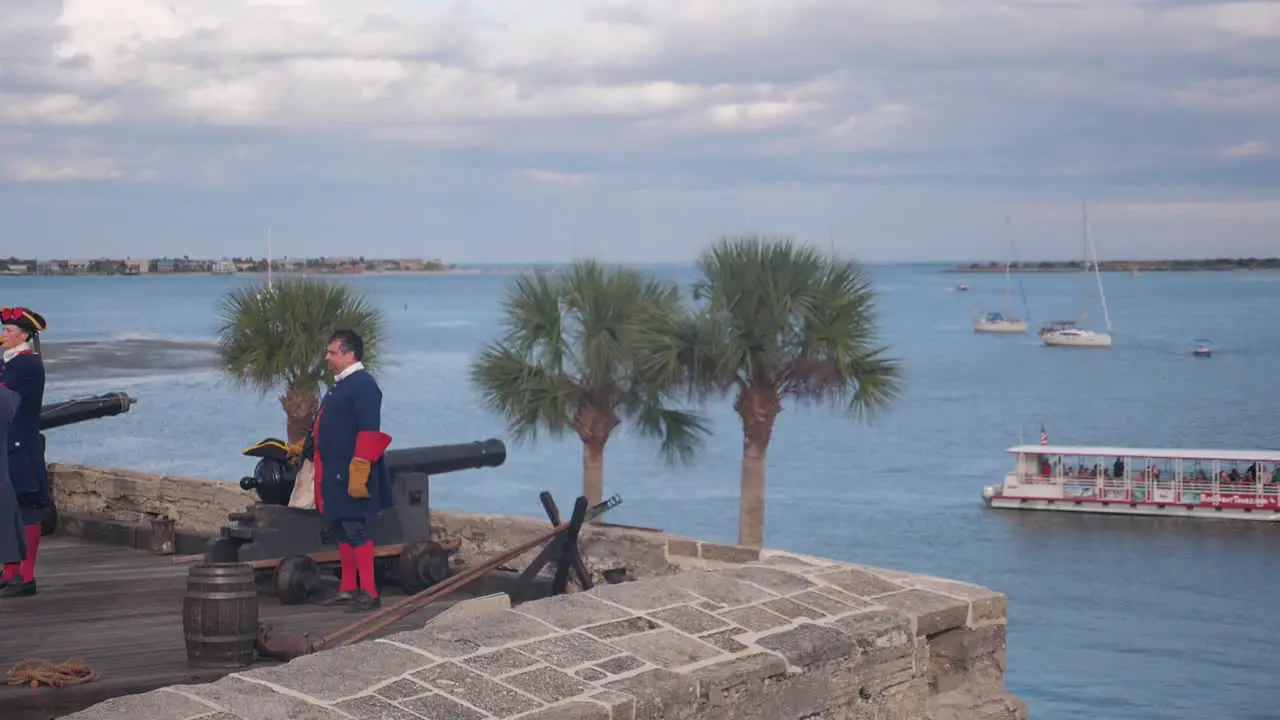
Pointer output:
440, 459
70, 412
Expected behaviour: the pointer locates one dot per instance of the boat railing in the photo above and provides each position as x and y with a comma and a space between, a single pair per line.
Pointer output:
1173, 489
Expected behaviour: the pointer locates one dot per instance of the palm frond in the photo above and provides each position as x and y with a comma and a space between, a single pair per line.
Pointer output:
529, 396
269, 339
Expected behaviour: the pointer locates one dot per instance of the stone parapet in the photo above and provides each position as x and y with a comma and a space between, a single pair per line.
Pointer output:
705, 631
783, 638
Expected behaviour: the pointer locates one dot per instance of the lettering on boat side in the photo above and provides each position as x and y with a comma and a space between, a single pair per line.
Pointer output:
1251, 500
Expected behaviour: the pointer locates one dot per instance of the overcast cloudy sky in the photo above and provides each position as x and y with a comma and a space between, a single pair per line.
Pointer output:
538, 130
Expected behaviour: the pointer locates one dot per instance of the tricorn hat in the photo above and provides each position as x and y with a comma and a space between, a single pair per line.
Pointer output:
24, 318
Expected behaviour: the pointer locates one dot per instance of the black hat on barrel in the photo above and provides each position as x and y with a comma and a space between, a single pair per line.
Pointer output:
24, 319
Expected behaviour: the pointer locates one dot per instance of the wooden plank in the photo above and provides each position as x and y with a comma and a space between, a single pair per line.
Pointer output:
326, 556
120, 610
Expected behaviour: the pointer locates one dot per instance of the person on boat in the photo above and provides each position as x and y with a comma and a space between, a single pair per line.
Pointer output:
352, 483
22, 372
13, 541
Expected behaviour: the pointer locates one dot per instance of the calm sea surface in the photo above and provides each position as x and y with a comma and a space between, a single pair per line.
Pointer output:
1110, 618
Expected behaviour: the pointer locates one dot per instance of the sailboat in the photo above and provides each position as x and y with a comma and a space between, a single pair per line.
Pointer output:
1077, 335
995, 322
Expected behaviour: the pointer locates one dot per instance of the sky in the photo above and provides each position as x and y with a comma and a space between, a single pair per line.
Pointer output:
509, 131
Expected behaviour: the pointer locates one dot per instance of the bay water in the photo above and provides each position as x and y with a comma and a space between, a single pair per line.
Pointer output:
1114, 618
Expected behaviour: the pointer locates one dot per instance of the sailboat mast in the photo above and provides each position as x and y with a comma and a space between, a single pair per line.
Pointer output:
1097, 273
268, 259
1008, 274
1084, 223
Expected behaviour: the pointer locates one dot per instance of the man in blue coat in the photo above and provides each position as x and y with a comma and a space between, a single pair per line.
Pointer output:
13, 542
352, 483
22, 371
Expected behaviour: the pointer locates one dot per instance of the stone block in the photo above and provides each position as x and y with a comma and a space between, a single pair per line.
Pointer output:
879, 634
342, 672
682, 548
500, 662
372, 707
214, 716
971, 658
779, 582
591, 675
464, 637
440, 707
476, 690
934, 613
859, 582
725, 641
620, 705
648, 595
668, 649
621, 664
659, 694
472, 608
400, 689
155, 704
836, 593
621, 628
825, 603
755, 618
792, 610
577, 710
254, 701
724, 682
548, 684
728, 553
709, 585
984, 604
570, 650
570, 612
688, 619
809, 645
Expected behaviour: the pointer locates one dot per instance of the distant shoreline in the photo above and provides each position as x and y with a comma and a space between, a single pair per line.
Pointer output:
285, 273
1216, 265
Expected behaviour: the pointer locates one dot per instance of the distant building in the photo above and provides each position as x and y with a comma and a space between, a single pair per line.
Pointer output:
136, 267
223, 267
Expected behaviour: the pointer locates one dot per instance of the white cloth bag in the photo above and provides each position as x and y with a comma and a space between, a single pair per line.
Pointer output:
304, 489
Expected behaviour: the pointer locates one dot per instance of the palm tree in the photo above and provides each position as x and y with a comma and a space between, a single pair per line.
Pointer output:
777, 321
567, 362
273, 338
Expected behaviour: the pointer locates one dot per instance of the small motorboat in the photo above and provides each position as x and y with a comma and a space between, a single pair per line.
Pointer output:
1203, 348
962, 287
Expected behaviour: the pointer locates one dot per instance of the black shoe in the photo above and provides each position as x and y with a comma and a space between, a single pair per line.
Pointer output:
341, 598
17, 588
365, 602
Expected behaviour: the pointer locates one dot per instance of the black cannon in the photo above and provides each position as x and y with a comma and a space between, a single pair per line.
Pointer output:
299, 539
70, 412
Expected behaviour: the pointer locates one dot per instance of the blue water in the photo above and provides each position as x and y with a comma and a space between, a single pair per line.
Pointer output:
1114, 618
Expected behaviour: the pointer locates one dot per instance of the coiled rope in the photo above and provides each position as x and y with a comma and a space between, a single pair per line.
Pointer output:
37, 672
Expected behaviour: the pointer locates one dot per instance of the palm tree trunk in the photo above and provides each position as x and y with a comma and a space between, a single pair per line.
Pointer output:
759, 410
593, 470
300, 405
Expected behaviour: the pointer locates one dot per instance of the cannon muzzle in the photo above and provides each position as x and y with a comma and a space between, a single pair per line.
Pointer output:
70, 412
440, 459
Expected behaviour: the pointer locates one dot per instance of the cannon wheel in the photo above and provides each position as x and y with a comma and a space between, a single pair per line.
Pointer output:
297, 580
421, 565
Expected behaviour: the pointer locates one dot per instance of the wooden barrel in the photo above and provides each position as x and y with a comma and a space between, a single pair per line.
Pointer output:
220, 615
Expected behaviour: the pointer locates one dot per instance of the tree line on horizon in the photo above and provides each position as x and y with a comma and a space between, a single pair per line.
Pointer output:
586, 351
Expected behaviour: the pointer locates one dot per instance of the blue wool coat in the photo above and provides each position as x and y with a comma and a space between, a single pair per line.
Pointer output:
13, 540
350, 414
24, 375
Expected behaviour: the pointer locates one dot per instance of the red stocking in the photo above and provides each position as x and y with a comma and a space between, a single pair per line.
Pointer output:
347, 556
364, 561
28, 567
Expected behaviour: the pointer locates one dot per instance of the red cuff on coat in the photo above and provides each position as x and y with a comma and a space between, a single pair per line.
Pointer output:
370, 444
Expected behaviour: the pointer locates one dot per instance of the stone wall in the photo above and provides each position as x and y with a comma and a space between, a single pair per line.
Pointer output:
713, 632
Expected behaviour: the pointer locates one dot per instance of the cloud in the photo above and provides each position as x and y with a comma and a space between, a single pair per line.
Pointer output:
629, 95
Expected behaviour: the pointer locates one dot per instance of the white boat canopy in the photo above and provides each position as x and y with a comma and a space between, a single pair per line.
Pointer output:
1246, 456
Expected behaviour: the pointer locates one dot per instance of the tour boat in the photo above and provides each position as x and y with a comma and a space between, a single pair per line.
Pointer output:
1204, 348
1221, 484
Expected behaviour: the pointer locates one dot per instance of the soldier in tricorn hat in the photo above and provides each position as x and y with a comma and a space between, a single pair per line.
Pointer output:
22, 371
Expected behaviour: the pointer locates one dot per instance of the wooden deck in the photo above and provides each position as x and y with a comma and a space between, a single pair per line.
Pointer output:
120, 610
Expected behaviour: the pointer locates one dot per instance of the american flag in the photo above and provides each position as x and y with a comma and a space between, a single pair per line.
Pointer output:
1044, 436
